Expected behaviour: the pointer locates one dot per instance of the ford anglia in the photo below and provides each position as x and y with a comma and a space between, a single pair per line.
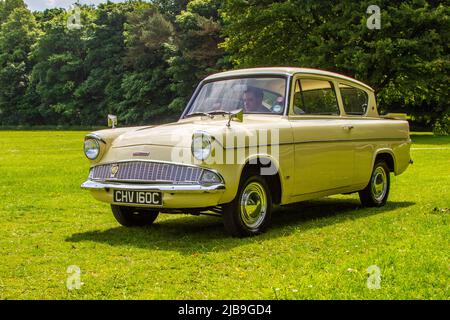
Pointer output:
247, 141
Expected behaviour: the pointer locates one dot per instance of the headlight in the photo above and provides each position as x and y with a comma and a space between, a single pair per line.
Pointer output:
91, 148
201, 145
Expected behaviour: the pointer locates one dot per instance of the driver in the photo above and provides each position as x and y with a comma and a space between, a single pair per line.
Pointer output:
253, 98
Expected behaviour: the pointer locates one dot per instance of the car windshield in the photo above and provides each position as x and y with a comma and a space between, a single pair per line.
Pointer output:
253, 95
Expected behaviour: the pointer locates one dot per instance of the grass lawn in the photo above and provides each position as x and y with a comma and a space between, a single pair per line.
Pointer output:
316, 250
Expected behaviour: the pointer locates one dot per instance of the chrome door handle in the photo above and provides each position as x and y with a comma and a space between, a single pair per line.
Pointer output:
347, 127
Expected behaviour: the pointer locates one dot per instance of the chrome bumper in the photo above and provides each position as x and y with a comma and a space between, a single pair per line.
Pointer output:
171, 188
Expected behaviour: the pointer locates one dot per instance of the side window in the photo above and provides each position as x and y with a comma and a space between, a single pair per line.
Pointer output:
355, 100
315, 97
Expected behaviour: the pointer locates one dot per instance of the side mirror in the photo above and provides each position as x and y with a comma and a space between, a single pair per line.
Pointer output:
112, 121
237, 115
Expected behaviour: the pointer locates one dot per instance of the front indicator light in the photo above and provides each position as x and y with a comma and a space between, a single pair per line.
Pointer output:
210, 177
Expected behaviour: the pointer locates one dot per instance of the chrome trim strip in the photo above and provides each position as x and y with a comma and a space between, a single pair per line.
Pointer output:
145, 160
94, 136
322, 141
92, 185
142, 181
353, 140
142, 144
287, 95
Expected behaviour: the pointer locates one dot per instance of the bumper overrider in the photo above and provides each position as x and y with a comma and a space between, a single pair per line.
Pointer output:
180, 185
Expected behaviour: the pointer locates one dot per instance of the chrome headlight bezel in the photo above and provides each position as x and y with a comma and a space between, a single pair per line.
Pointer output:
201, 145
91, 148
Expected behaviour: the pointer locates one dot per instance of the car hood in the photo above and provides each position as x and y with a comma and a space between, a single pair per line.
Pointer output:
180, 133
172, 134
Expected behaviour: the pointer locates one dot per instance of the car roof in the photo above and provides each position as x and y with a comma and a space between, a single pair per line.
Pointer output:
284, 71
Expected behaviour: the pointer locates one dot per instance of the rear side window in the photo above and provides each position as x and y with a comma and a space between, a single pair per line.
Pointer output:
355, 100
315, 97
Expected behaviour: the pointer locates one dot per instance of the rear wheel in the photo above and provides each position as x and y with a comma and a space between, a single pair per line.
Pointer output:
134, 217
250, 212
377, 191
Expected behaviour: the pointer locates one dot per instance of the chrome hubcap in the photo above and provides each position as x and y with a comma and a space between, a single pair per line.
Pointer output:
379, 184
253, 205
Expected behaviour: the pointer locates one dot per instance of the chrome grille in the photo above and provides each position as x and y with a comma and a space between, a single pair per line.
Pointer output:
143, 171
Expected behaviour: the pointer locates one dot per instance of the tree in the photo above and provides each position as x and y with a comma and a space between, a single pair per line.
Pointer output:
17, 35
100, 93
171, 8
408, 58
146, 84
59, 69
196, 53
8, 6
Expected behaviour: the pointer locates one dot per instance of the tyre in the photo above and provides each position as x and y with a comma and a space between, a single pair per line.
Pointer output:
134, 217
377, 191
250, 212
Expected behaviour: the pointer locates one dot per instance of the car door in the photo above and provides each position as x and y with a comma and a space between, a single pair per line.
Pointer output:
324, 157
357, 104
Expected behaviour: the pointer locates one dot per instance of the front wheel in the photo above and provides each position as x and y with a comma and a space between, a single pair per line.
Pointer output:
377, 191
134, 217
250, 212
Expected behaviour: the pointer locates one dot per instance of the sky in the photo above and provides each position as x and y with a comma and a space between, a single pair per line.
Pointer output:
39, 5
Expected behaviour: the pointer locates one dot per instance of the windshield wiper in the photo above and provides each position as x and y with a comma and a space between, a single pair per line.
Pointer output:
220, 112
194, 114
210, 114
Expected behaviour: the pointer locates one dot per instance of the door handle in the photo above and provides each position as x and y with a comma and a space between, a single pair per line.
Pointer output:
347, 127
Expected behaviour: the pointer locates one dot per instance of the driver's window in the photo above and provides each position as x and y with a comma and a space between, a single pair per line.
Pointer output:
315, 97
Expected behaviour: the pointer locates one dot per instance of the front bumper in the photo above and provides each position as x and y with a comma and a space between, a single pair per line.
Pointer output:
174, 196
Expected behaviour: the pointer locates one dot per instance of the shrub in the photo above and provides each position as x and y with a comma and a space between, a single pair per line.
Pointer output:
442, 126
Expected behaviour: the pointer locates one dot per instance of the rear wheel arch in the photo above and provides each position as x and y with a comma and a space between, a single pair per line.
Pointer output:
388, 156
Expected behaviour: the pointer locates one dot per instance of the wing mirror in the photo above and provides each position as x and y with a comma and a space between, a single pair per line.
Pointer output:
237, 115
112, 121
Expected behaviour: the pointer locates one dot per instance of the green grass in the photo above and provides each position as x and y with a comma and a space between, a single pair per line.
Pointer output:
316, 250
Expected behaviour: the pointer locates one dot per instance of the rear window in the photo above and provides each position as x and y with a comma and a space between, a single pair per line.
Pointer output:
355, 100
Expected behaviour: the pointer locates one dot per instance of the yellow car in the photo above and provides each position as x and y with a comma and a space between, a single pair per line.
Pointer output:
248, 140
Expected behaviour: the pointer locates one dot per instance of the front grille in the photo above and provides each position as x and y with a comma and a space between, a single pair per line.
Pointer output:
142, 171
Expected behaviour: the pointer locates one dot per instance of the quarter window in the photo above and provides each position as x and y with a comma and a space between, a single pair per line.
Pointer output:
355, 100
315, 97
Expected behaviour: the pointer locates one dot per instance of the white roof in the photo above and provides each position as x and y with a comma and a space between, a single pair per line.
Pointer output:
284, 71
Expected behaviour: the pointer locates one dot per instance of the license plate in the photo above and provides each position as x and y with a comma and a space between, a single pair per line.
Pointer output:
138, 197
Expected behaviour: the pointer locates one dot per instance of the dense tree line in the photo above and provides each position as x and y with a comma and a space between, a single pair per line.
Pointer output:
142, 60
406, 61
136, 59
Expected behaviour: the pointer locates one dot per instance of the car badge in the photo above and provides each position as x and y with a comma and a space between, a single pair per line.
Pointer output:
141, 154
114, 170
